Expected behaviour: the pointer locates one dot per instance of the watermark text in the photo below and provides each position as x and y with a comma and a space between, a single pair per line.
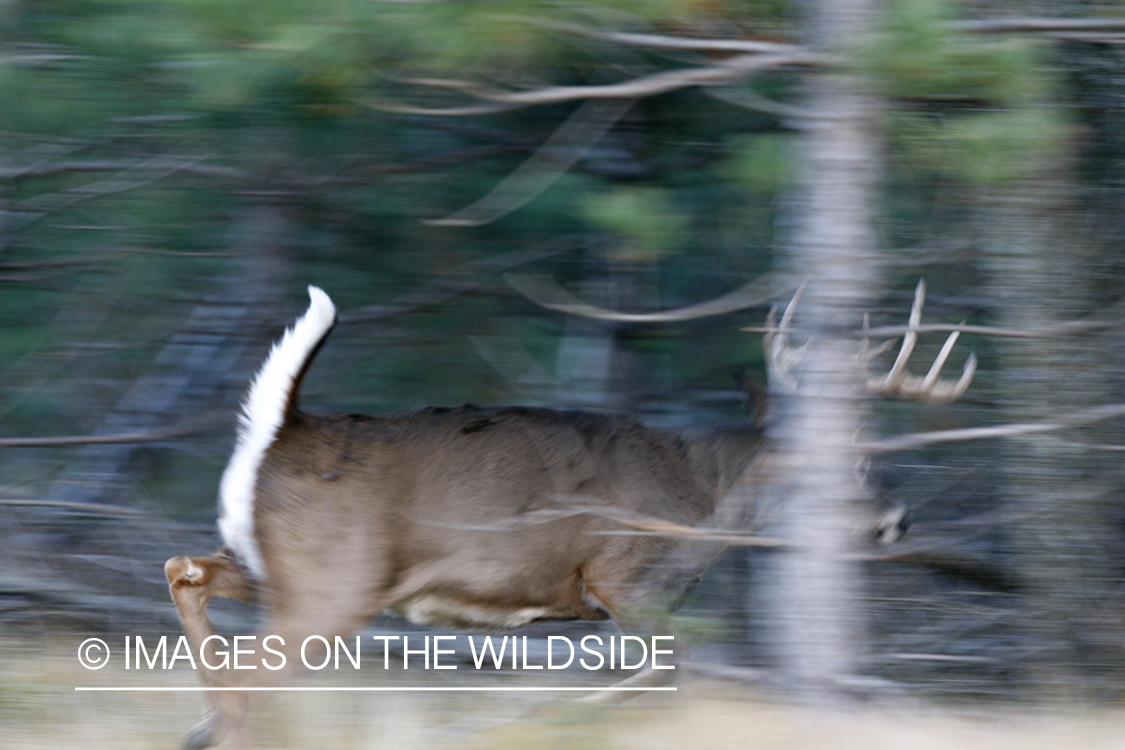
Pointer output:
425, 652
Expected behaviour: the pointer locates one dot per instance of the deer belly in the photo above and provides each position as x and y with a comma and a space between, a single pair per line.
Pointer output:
447, 612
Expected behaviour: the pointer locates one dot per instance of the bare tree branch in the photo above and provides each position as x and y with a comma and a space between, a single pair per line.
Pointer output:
150, 171
438, 289
751, 56
579, 133
1065, 422
1062, 329
544, 292
1037, 25
676, 43
14, 174
748, 99
39, 264
637, 524
1094, 30
731, 69
147, 436
468, 110
95, 508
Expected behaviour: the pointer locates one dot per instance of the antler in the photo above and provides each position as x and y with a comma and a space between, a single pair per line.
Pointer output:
898, 383
781, 357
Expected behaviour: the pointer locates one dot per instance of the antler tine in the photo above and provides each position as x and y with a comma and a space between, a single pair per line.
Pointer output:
945, 391
780, 356
939, 362
898, 370
791, 308
899, 382
866, 353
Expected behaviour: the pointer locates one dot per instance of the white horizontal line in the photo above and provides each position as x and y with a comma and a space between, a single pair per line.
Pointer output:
409, 689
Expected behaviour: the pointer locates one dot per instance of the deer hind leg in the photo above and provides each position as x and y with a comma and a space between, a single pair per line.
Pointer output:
193, 581
302, 602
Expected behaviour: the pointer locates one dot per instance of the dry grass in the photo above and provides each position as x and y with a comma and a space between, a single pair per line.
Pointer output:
40, 709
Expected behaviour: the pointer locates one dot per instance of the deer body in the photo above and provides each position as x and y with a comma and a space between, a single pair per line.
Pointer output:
467, 517
490, 517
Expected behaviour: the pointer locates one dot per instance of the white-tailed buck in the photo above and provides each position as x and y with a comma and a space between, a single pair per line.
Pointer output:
456, 517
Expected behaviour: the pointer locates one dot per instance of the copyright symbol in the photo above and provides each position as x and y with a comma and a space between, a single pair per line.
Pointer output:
93, 653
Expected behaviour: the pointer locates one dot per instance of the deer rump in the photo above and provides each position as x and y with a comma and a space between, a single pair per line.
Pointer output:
481, 517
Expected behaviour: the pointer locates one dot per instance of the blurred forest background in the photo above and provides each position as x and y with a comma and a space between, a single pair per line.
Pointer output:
173, 173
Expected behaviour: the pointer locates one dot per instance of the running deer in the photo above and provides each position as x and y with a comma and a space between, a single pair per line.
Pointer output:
468, 517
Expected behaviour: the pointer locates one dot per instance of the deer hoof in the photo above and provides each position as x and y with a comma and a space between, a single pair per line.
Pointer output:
201, 735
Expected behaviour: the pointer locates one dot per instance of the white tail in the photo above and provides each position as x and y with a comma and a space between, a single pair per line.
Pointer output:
459, 517
271, 397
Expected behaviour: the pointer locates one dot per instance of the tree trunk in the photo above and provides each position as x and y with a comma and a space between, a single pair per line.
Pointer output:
816, 586
1065, 534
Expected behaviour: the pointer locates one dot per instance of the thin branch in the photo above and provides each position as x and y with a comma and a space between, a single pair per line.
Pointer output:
147, 436
750, 56
637, 524
94, 508
1108, 447
543, 291
1012, 25
469, 110
572, 141
952, 658
668, 529
1065, 422
438, 289
1090, 37
732, 69
1061, 329
39, 59
153, 170
675, 43
14, 174
39, 264
1037, 25
748, 99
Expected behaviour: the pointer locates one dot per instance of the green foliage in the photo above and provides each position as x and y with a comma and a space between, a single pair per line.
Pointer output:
916, 55
976, 105
762, 163
645, 219
1003, 146
982, 148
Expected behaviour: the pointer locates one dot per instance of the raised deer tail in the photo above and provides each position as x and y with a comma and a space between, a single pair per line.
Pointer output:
272, 398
